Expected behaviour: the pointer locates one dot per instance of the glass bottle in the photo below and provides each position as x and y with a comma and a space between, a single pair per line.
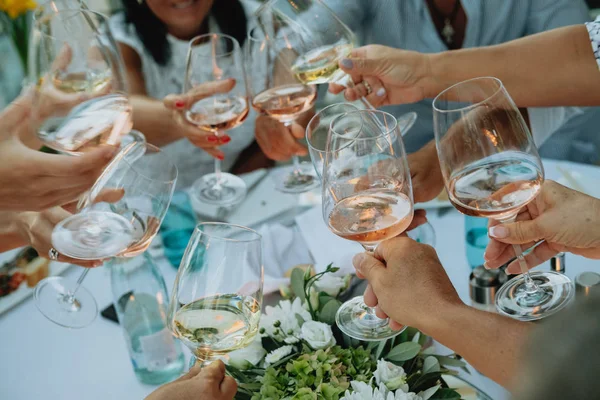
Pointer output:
140, 298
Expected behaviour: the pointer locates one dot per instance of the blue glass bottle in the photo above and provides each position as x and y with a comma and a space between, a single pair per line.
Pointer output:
476, 239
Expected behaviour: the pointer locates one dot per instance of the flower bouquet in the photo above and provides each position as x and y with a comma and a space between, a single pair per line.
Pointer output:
301, 355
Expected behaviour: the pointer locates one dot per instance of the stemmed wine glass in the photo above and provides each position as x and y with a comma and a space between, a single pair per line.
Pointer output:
317, 41
367, 198
277, 93
80, 100
119, 216
492, 169
216, 57
217, 296
317, 132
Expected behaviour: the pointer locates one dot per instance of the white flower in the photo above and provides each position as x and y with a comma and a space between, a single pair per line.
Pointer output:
364, 391
278, 354
390, 375
400, 395
318, 335
281, 322
331, 284
247, 357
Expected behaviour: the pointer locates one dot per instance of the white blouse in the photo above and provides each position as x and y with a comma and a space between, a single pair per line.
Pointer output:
594, 31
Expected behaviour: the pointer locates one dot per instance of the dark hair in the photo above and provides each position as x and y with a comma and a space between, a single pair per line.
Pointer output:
229, 15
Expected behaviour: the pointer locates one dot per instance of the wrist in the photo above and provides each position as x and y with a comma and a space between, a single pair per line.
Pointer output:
435, 75
442, 319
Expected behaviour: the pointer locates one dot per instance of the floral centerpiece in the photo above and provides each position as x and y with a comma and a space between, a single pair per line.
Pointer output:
301, 355
15, 19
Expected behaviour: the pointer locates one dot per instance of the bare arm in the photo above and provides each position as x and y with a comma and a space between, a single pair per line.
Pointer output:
9, 234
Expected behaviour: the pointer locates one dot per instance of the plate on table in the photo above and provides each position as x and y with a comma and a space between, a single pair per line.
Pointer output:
20, 271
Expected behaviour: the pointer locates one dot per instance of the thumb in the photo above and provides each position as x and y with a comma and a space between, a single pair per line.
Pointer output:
297, 131
368, 266
61, 165
516, 233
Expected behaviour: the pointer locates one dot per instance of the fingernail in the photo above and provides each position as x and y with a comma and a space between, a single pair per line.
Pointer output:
212, 139
221, 156
347, 63
498, 231
179, 104
357, 260
380, 92
486, 266
225, 139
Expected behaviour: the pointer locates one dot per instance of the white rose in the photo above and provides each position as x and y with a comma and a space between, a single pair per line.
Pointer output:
331, 284
318, 335
281, 322
400, 395
364, 391
278, 354
247, 357
390, 375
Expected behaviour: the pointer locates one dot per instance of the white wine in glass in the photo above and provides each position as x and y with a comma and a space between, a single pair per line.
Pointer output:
492, 169
217, 296
367, 198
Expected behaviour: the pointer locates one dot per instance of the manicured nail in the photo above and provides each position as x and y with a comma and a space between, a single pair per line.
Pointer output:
221, 156
486, 266
498, 231
179, 104
347, 63
212, 139
380, 92
225, 139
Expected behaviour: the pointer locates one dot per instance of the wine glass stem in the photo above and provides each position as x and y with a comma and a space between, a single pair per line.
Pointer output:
218, 171
370, 250
70, 297
295, 159
530, 285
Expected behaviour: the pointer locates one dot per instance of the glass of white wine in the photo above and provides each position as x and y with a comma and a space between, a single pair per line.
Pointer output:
317, 40
492, 169
118, 217
216, 57
80, 100
217, 296
367, 198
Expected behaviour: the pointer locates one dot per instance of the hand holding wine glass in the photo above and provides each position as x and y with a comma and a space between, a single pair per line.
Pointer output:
367, 198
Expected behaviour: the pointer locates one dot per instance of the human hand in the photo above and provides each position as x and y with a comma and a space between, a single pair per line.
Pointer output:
277, 141
208, 383
406, 282
179, 104
395, 76
565, 219
426, 174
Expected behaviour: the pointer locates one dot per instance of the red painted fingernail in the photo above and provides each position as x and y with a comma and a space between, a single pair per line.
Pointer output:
225, 139
221, 157
212, 139
179, 104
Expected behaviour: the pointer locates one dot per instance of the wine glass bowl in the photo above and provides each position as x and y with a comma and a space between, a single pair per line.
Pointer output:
367, 198
217, 296
491, 168
214, 58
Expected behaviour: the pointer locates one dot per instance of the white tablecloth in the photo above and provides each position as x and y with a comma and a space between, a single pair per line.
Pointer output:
40, 360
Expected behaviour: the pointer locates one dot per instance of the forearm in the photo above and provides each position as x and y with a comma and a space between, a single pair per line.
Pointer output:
489, 342
154, 120
552, 68
9, 234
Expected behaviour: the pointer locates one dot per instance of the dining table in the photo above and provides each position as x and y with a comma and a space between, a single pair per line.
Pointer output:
41, 360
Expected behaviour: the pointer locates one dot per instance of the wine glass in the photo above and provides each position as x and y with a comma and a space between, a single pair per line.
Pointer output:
367, 198
277, 93
217, 296
492, 169
216, 57
317, 40
80, 99
317, 132
119, 216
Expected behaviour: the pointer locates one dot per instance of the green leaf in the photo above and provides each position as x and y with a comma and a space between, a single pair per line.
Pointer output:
425, 381
327, 314
333, 270
447, 361
416, 338
445, 394
380, 348
404, 351
431, 364
425, 395
297, 281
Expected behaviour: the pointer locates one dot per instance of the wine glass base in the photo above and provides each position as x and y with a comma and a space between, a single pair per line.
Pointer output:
354, 320
231, 189
514, 301
290, 180
52, 299
92, 235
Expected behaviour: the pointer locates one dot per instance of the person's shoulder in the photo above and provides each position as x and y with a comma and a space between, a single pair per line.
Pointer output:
124, 32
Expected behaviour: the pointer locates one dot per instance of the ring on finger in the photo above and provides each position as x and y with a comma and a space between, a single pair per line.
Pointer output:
53, 254
368, 86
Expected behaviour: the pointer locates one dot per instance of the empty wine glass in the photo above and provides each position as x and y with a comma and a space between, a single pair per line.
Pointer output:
216, 57
217, 296
119, 216
367, 198
80, 99
316, 41
492, 169
277, 93
317, 132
